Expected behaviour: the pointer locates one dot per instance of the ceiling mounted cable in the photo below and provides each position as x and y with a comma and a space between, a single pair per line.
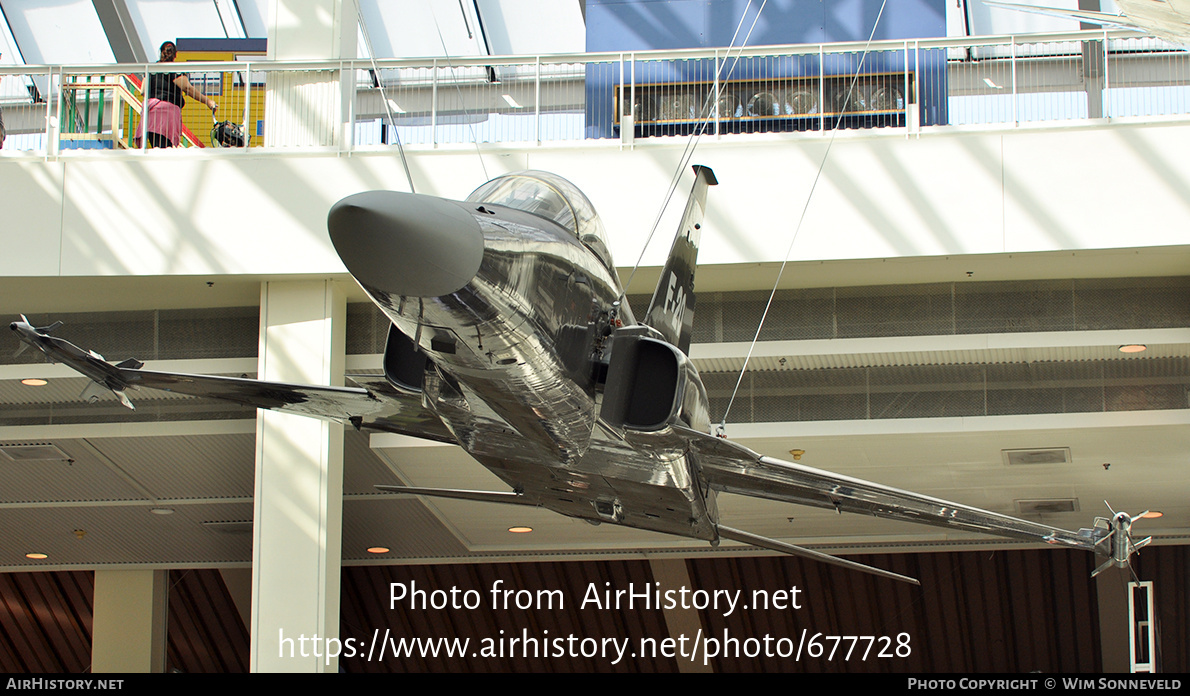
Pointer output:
388, 109
704, 114
491, 77
802, 217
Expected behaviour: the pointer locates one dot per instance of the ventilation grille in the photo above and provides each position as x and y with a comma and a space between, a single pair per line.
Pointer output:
1046, 507
812, 313
176, 334
941, 391
229, 526
1053, 455
942, 309
39, 451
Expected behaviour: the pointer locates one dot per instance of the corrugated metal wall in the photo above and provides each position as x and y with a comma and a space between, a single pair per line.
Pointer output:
1002, 611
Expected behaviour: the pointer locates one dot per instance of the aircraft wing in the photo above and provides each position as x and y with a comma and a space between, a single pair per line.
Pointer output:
733, 468
375, 404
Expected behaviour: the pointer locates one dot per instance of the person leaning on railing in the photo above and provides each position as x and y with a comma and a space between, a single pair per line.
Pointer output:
164, 121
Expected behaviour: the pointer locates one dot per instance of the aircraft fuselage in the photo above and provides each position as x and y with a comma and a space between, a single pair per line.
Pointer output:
516, 356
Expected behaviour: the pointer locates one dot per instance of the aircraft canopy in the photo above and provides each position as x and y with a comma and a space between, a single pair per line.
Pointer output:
553, 198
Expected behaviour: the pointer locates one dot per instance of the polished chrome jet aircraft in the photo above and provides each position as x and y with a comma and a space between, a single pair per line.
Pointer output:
511, 338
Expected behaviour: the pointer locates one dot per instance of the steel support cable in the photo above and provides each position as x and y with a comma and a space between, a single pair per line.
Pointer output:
692, 141
802, 217
388, 109
459, 90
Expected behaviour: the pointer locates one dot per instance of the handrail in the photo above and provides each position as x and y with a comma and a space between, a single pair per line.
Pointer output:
594, 57
918, 84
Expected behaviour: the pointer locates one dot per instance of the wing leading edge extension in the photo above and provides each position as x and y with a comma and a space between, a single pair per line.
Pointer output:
733, 468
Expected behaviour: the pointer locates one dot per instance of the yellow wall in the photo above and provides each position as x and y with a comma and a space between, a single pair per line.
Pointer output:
227, 89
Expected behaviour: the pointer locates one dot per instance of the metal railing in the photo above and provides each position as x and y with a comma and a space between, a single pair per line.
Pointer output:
912, 85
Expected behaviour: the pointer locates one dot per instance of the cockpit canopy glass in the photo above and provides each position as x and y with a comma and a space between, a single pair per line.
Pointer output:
553, 198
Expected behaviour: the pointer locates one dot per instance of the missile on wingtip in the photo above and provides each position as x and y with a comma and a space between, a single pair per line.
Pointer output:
89, 363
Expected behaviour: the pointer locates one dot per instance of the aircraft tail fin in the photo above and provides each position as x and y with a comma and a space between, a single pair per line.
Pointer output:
671, 311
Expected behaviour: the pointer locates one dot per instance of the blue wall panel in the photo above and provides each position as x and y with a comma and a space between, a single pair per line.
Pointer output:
642, 25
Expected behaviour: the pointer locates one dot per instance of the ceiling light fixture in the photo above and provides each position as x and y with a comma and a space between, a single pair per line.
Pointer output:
37, 556
34, 382
1133, 348
378, 549
520, 529
1152, 515
161, 511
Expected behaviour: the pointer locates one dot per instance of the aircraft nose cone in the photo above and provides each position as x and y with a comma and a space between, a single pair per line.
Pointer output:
406, 244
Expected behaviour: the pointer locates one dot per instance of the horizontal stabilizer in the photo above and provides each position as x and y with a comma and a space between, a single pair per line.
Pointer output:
480, 496
774, 545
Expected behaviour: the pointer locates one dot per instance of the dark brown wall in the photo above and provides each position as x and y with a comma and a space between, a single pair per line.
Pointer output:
1004, 611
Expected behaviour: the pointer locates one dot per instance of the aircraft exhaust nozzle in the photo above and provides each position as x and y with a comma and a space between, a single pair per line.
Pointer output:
406, 244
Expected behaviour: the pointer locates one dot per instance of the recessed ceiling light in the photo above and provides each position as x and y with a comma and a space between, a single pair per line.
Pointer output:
34, 382
37, 556
378, 549
1132, 348
520, 530
1152, 515
161, 511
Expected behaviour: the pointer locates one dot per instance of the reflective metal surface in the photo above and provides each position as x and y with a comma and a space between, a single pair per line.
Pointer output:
522, 350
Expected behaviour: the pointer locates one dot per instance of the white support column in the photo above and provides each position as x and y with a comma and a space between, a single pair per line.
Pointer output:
129, 622
310, 108
297, 530
683, 624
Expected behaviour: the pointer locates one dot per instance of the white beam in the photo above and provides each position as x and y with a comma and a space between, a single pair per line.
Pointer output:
129, 629
297, 530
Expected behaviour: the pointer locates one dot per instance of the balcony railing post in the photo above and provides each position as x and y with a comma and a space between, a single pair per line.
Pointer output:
144, 111
51, 123
905, 86
917, 83
619, 115
715, 97
1106, 77
632, 89
247, 102
434, 102
1016, 121
537, 102
821, 88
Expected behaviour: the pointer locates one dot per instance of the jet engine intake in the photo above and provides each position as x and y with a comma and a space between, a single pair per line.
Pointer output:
404, 363
644, 383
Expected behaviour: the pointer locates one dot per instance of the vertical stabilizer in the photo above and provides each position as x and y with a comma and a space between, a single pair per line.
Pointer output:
671, 311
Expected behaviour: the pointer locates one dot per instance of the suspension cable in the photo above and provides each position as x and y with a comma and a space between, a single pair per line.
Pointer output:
388, 109
802, 217
459, 90
704, 119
